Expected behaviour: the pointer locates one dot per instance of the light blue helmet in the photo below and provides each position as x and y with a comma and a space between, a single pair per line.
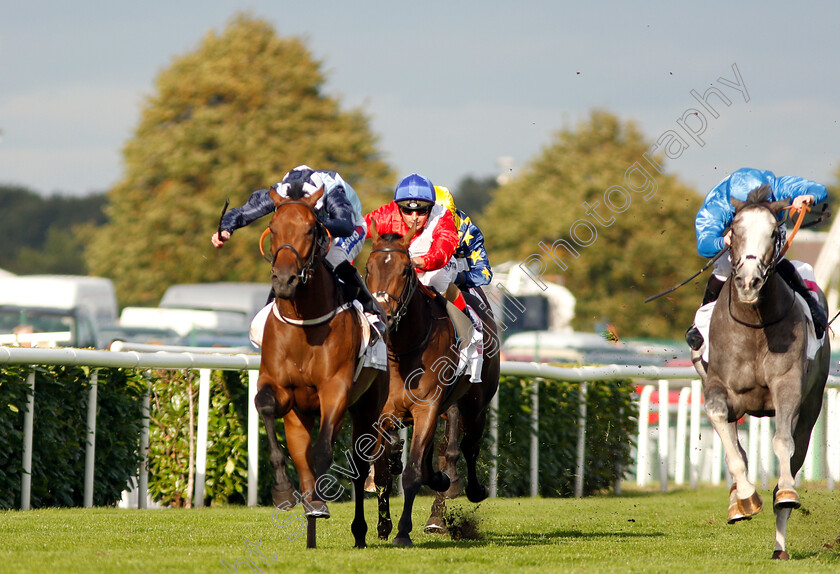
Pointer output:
746, 179
414, 191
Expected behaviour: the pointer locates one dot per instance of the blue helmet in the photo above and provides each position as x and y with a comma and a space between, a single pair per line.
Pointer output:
746, 179
414, 191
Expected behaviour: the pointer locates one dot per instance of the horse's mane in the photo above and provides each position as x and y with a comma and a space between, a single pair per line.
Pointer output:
296, 190
389, 237
758, 196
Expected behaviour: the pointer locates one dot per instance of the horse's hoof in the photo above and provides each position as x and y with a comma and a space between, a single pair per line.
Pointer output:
743, 509
403, 541
439, 481
284, 499
786, 499
780, 555
370, 485
435, 525
316, 509
477, 493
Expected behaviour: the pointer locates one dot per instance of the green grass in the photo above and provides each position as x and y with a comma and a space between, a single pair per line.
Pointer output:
639, 531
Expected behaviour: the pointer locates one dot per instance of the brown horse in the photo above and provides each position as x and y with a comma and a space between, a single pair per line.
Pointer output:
308, 366
423, 357
758, 362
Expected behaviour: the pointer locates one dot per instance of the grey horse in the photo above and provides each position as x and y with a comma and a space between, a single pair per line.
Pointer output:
758, 363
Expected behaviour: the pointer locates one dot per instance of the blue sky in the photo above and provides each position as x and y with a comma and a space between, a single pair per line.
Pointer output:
450, 87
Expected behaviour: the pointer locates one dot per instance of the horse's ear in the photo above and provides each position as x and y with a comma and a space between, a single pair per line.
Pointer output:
777, 206
412, 230
737, 203
275, 197
374, 232
313, 199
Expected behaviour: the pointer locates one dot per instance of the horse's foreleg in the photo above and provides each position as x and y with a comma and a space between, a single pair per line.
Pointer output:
365, 451
783, 445
471, 446
744, 501
298, 433
449, 452
359, 526
282, 492
384, 484
419, 462
782, 515
332, 416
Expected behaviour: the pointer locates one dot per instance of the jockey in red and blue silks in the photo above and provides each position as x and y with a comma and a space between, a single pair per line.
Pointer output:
339, 209
434, 244
712, 230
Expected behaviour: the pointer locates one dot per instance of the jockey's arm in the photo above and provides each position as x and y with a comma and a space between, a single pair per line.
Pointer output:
258, 205
339, 213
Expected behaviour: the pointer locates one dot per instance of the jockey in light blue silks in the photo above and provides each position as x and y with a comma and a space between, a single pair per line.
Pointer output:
712, 229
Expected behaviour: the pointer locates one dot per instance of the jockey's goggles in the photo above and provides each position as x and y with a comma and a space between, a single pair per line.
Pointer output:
419, 210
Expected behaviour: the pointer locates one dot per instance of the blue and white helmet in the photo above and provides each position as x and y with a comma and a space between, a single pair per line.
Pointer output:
415, 191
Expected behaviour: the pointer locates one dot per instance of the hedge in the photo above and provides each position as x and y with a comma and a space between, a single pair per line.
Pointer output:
59, 434
61, 415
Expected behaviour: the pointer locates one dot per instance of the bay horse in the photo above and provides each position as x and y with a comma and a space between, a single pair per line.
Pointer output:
758, 364
423, 358
309, 358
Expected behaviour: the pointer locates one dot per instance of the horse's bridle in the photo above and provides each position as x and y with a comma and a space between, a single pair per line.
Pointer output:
321, 242
409, 286
766, 269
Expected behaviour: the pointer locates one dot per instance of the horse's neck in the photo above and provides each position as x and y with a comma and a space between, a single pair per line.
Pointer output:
317, 297
774, 301
415, 323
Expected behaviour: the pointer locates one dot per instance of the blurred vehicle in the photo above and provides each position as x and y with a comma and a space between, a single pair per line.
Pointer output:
146, 335
184, 321
226, 296
50, 310
217, 338
587, 349
47, 327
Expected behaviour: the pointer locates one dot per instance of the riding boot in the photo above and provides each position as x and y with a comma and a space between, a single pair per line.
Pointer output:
712, 292
788, 272
356, 289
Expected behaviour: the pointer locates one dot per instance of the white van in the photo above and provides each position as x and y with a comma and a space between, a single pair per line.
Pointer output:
54, 310
229, 296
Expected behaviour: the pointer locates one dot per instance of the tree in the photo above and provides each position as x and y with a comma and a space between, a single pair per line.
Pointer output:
600, 215
227, 119
41, 234
473, 195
